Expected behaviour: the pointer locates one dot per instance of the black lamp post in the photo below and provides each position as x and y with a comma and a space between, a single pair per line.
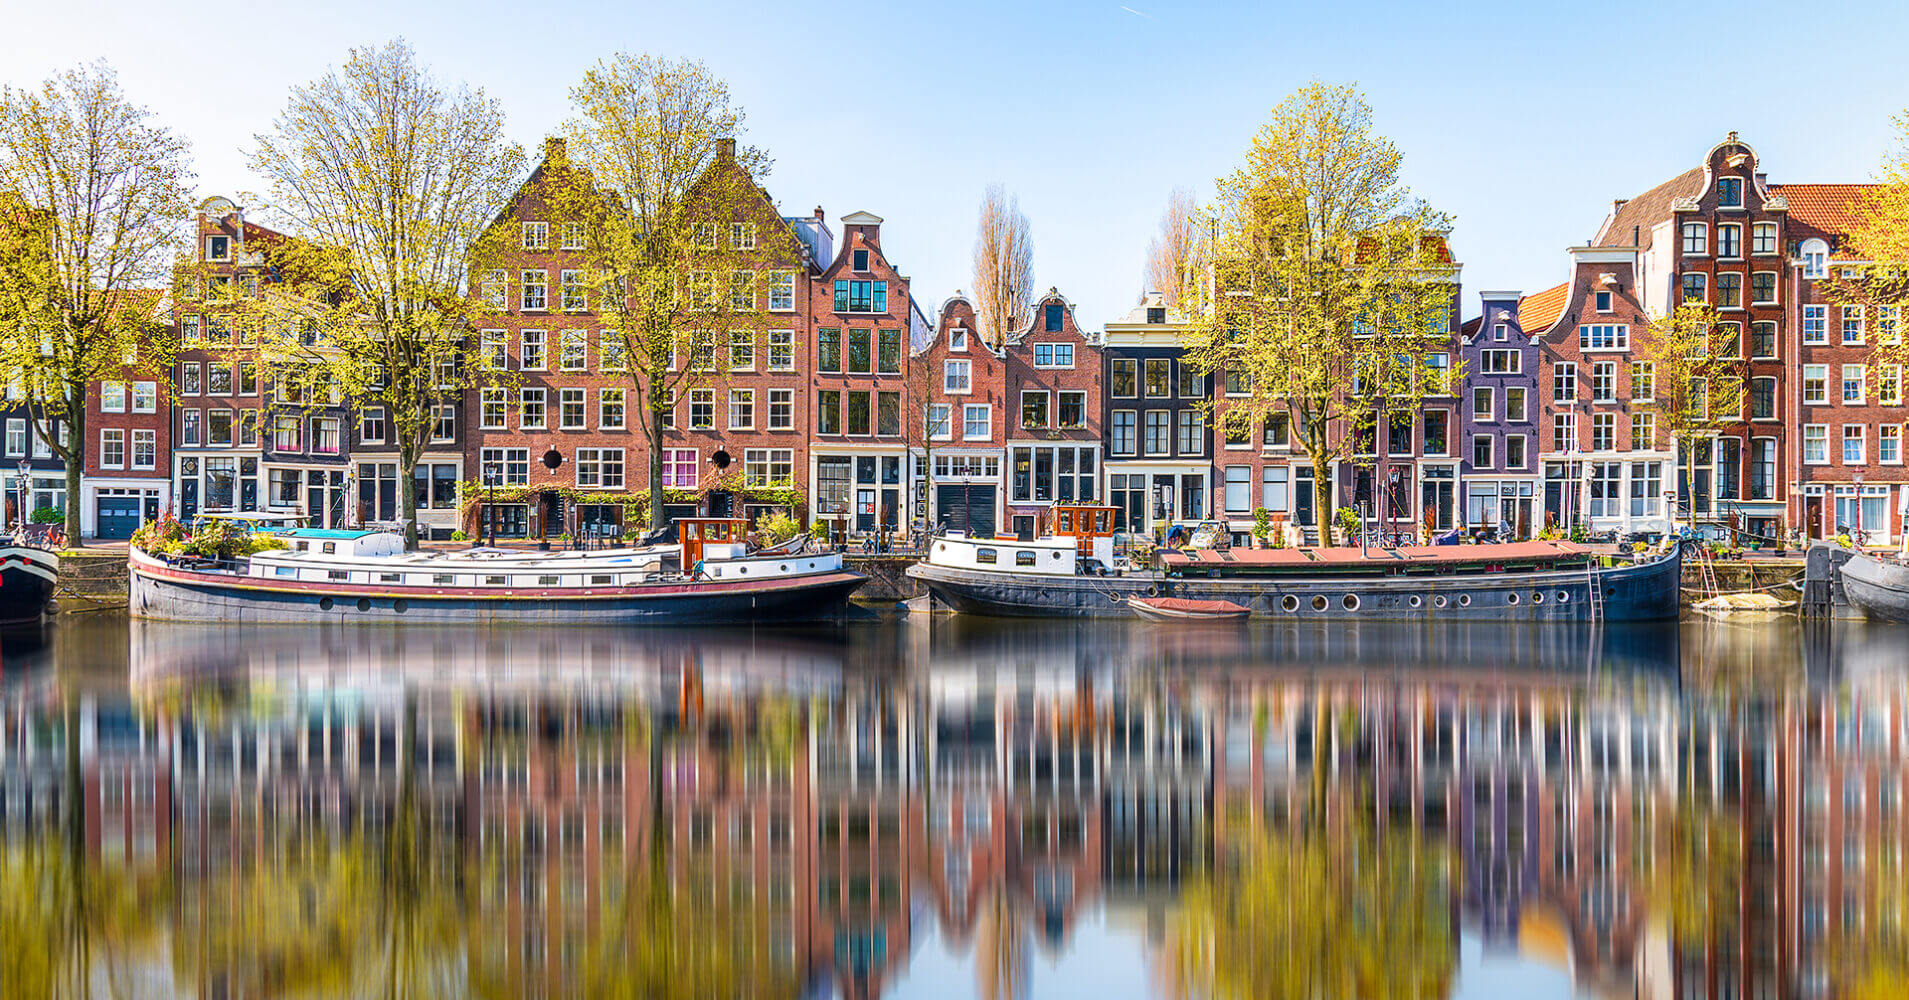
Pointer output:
490, 507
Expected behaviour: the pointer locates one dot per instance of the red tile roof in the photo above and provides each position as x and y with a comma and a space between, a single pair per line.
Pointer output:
1827, 208
1640, 213
1539, 310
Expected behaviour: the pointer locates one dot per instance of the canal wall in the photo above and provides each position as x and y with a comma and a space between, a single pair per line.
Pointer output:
887, 578
1739, 575
91, 579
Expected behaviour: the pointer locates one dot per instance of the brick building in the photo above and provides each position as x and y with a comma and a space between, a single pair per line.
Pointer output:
1053, 393
865, 325
128, 480
568, 419
962, 382
243, 441
1846, 461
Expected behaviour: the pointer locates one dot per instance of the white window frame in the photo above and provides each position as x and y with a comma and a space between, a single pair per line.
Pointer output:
1890, 434
746, 400
784, 398
151, 438
525, 397
1757, 231
107, 434
499, 396
1861, 384
524, 341
536, 236
1820, 433
968, 412
940, 415
1818, 374
1054, 350
1860, 316
525, 284
952, 386
605, 400
745, 340
365, 420
1861, 439
781, 341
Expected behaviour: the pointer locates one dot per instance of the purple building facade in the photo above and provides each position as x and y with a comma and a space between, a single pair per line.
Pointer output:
1499, 443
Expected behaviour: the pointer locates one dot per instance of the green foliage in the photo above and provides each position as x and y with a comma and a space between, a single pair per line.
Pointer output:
1262, 523
1348, 520
777, 527
215, 539
47, 515
460, 536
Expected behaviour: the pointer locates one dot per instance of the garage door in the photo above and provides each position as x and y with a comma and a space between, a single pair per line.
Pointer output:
118, 517
968, 508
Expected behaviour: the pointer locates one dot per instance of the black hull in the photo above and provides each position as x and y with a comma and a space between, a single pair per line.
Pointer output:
1880, 590
28, 577
1631, 592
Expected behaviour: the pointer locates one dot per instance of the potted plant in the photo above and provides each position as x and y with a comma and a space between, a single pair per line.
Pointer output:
1346, 525
1262, 525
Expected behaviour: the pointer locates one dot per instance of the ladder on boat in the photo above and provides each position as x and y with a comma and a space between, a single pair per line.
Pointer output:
1596, 588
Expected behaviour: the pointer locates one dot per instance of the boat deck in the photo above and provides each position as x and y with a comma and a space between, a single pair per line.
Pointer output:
1404, 559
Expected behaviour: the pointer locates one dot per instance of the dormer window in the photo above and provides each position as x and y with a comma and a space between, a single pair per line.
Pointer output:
1051, 319
1729, 192
859, 260
1603, 301
218, 248
1815, 259
1499, 331
958, 338
1156, 314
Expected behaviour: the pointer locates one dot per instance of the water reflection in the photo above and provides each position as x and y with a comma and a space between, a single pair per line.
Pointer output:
956, 808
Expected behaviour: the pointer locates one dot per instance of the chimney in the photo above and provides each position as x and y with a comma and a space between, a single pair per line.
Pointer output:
726, 148
818, 213
1617, 203
555, 150
1763, 179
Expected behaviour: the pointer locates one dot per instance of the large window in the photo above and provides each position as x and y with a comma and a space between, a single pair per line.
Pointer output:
600, 468
781, 350
531, 409
1034, 414
833, 480
679, 468
828, 350
610, 409
1603, 381
781, 291
1695, 241
1603, 431
742, 350
1192, 428
1071, 412
1763, 238
957, 377
1121, 437
1852, 324
888, 351
1564, 382
702, 409
1604, 337
1694, 287
1158, 433
859, 419
512, 465
781, 409
888, 413
534, 291
1730, 241
570, 414
1729, 290
1048, 473
1815, 324
976, 422
742, 409
1853, 444
1853, 388
1159, 378
491, 409
861, 296
145, 449
1053, 355
1239, 489
112, 448
1815, 384
325, 436
1497, 362
1763, 398
1515, 404
768, 466
1125, 378
940, 422
828, 411
1763, 288
1816, 444
1607, 486
532, 356
1275, 492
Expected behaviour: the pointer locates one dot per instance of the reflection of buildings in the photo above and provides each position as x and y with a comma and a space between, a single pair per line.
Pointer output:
1004, 788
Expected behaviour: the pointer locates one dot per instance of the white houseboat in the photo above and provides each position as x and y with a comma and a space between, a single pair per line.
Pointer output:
708, 577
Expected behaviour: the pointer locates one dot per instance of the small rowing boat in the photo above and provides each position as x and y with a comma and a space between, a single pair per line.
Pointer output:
1177, 609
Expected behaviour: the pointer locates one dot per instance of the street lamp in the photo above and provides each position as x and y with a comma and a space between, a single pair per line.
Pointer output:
490, 506
26, 468
1857, 479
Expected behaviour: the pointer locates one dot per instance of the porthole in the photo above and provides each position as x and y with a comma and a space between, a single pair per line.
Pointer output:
1350, 602
1056, 555
742, 569
1464, 600
1564, 596
1415, 600
324, 604
1537, 597
1289, 602
1319, 602
1511, 598
784, 567
1439, 601
364, 604
400, 605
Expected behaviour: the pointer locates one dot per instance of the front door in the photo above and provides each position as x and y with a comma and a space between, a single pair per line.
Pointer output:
1813, 515
1024, 527
117, 517
721, 503
864, 510
891, 508
552, 508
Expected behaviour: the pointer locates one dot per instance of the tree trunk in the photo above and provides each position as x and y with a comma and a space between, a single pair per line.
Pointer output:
657, 520
1322, 490
408, 457
75, 465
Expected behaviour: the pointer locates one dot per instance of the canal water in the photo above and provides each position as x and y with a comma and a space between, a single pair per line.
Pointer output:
954, 808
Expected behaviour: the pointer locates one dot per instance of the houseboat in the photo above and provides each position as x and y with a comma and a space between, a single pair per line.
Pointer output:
28, 575
708, 578
1878, 587
1073, 573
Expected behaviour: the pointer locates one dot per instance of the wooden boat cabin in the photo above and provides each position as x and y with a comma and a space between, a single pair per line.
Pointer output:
1082, 543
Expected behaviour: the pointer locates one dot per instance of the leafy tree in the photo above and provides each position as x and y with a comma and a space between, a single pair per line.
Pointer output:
1876, 274
1697, 371
1330, 293
390, 180
92, 195
679, 239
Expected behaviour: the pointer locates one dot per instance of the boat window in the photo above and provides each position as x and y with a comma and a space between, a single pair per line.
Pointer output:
388, 578
1415, 600
984, 555
603, 579
329, 548
1464, 600
1064, 521
303, 546
546, 581
1439, 601
1537, 597
1563, 596
444, 578
1511, 598
1319, 602
494, 580
286, 571
1350, 602
1023, 558
338, 574
1290, 603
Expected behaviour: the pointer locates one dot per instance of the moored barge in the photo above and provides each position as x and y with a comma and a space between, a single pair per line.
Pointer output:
1072, 574
28, 575
708, 578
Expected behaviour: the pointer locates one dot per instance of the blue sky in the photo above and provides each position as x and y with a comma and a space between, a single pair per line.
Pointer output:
1523, 120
